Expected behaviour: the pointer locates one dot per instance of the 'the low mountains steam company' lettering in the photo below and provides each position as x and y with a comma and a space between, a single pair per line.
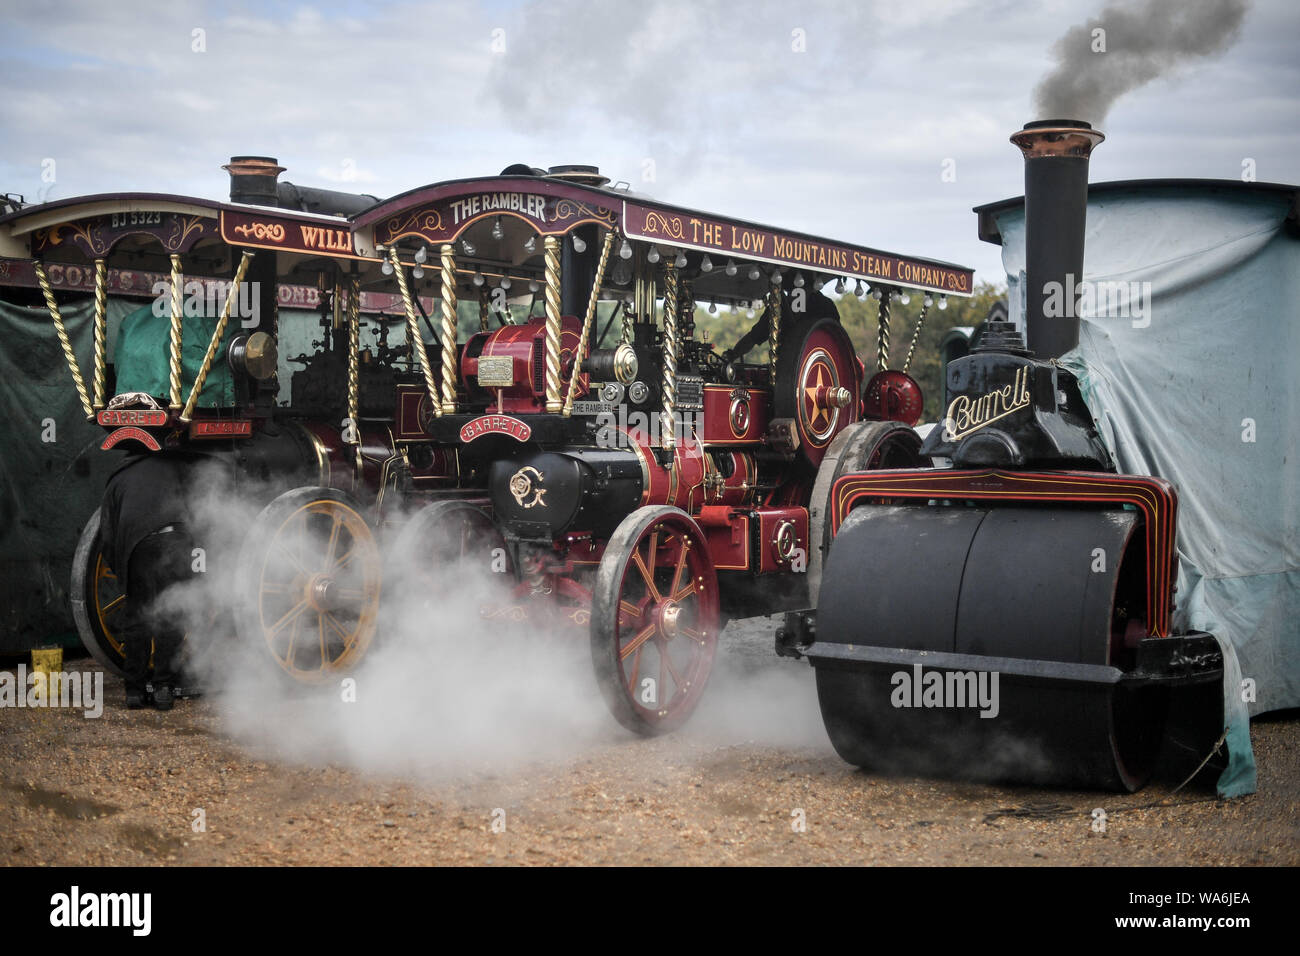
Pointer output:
820, 255
330, 240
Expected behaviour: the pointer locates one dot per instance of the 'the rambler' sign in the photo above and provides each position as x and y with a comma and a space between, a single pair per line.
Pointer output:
495, 425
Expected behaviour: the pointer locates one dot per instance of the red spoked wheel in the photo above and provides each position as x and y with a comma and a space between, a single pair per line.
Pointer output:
655, 619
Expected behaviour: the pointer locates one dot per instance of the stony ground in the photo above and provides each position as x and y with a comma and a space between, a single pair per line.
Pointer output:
123, 790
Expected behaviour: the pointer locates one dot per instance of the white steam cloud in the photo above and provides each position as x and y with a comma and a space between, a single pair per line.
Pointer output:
443, 692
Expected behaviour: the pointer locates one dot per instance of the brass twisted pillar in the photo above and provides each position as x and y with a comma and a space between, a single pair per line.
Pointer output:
354, 389
916, 335
354, 346
68, 354
588, 322
174, 352
217, 334
774, 330
449, 327
552, 257
882, 335
629, 323
413, 328
101, 324
667, 431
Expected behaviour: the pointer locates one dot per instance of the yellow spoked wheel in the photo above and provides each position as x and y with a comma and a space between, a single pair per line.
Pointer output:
98, 603
309, 582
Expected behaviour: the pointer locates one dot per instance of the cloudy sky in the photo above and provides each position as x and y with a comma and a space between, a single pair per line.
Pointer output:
837, 118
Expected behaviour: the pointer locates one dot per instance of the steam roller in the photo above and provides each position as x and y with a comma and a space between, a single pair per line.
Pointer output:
1006, 617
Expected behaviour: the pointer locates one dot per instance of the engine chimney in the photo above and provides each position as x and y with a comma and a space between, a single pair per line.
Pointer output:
1056, 206
253, 179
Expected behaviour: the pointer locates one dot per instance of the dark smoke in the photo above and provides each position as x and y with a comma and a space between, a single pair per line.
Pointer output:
1143, 41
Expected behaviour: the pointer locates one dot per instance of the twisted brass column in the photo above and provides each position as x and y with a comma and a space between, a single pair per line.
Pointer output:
174, 353
552, 258
667, 433
101, 323
217, 334
68, 354
774, 330
588, 322
413, 329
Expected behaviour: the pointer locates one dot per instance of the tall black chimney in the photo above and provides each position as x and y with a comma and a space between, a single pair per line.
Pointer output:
253, 179
1056, 206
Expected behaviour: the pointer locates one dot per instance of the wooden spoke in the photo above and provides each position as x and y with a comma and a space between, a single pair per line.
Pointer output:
290, 615
333, 541
642, 636
668, 659
283, 546
630, 608
344, 561
114, 603
647, 576
347, 637
320, 630
303, 537
692, 633
660, 696
636, 670
686, 591
677, 572
293, 636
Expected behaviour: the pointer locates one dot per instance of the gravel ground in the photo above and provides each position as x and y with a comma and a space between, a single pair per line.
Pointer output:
121, 790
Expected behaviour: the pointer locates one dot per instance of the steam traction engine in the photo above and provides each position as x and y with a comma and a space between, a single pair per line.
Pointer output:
645, 486
641, 486
1028, 559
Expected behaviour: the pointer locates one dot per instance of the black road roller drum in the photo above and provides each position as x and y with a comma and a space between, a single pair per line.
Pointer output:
986, 642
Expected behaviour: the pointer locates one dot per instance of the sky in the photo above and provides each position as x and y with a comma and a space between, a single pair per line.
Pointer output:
880, 122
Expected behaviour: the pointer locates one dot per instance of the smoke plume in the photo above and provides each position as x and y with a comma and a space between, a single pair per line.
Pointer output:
1125, 47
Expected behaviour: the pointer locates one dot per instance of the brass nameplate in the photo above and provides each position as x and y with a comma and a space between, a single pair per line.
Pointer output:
496, 371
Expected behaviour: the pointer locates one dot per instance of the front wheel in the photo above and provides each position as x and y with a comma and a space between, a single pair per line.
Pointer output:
654, 619
309, 580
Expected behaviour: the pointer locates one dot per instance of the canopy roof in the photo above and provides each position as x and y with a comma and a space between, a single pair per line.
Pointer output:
522, 205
